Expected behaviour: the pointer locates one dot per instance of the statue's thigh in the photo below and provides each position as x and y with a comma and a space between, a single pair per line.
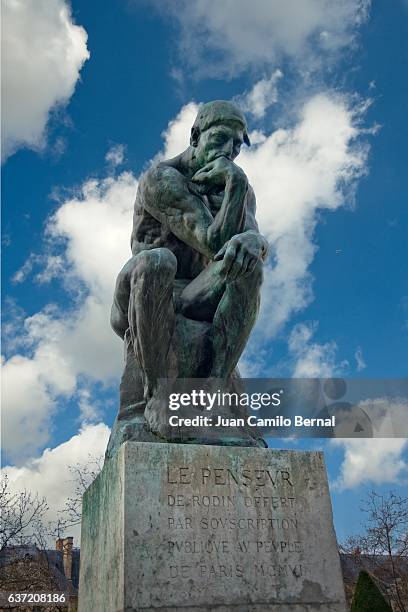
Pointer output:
200, 298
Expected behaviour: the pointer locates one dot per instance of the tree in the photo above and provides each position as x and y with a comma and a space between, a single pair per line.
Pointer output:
83, 475
22, 516
367, 596
385, 542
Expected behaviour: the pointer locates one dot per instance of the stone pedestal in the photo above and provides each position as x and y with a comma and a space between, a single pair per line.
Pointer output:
179, 527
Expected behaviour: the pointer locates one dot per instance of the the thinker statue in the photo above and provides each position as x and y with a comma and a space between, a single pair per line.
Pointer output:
185, 303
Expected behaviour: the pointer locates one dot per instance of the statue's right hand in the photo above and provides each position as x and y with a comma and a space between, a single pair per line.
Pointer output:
213, 176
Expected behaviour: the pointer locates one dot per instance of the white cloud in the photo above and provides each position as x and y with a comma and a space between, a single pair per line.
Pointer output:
97, 226
380, 459
229, 36
43, 53
373, 460
177, 135
263, 94
89, 408
64, 345
22, 273
49, 476
358, 356
116, 155
51, 267
311, 359
27, 405
54, 266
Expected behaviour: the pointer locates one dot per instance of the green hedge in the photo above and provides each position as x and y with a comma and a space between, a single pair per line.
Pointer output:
367, 596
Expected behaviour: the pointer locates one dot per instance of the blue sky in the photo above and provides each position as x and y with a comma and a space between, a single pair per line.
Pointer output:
325, 92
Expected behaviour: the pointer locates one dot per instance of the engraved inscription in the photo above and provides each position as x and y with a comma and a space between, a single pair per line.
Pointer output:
248, 520
226, 476
185, 522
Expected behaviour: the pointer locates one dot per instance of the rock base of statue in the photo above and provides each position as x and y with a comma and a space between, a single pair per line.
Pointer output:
194, 528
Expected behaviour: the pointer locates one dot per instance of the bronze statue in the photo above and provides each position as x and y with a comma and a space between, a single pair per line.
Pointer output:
185, 303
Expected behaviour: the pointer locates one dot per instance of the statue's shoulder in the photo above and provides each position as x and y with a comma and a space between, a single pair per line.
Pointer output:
160, 171
152, 173
163, 174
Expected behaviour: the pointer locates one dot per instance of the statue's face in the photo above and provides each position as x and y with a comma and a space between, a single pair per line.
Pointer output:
219, 140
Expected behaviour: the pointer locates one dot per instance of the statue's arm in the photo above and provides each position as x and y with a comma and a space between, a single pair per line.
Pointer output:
166, 197
251, 225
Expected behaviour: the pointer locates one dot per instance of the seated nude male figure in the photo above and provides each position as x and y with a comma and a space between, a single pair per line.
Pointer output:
196, 249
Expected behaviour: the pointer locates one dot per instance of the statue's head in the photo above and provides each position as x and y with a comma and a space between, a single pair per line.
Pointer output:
220, 128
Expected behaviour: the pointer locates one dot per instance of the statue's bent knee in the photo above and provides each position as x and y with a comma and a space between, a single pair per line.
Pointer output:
160, 261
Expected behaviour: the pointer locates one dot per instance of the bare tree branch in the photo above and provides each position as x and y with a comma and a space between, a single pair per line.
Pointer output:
21, 515
83, 475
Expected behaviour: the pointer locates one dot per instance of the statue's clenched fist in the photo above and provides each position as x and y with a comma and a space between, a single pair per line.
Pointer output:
213, 177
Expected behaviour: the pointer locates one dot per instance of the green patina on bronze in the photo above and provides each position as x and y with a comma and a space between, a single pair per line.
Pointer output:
186, 302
